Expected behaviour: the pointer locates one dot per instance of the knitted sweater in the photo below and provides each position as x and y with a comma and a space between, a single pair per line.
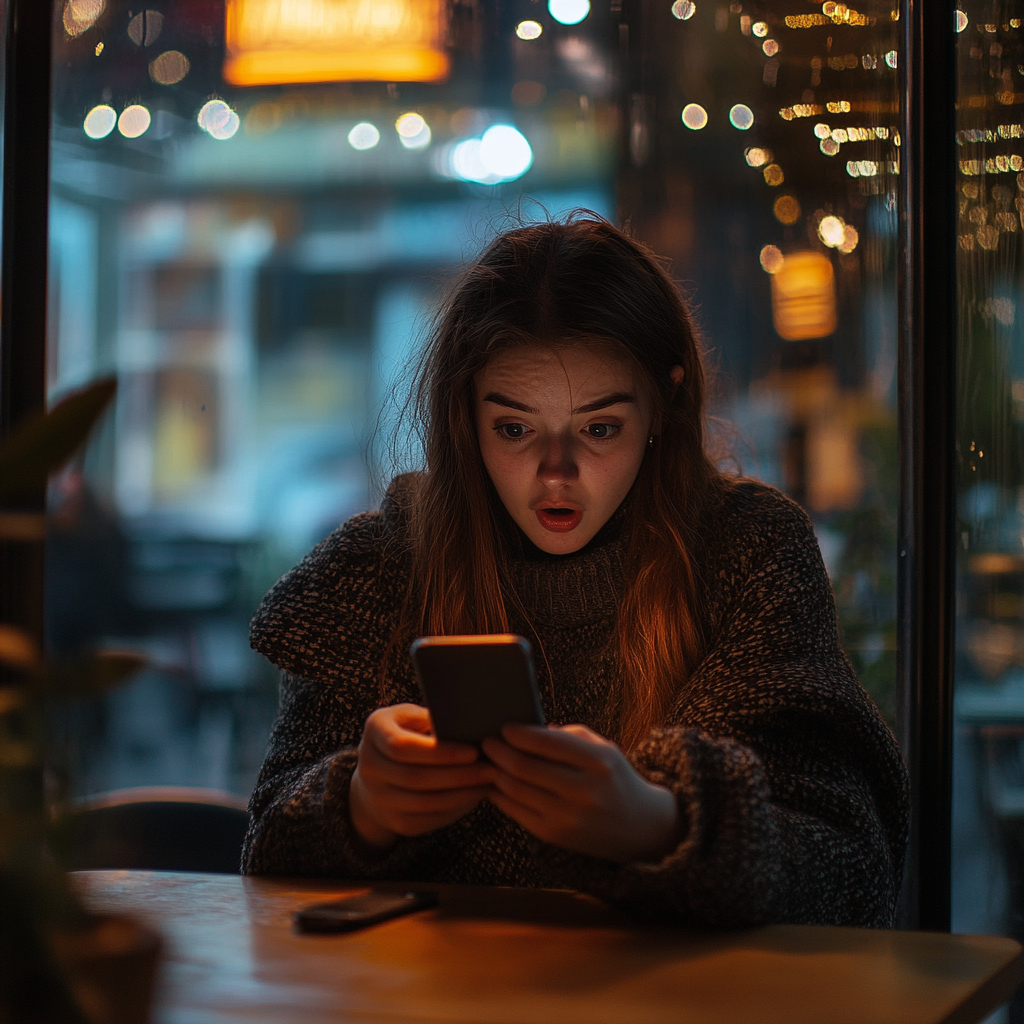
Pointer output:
791, 790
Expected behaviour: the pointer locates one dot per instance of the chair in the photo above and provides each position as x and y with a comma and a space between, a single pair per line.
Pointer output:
159, 828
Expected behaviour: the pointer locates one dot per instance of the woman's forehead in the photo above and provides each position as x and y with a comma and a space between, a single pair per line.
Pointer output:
576, 364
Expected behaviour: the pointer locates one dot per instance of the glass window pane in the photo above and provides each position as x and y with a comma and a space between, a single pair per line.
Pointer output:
251, 222
989, 727
764, 155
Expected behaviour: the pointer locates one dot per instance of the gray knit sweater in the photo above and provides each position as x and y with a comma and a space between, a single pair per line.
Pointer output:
791, 789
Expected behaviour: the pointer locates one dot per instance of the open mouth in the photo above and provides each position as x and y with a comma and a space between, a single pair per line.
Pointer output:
559, 520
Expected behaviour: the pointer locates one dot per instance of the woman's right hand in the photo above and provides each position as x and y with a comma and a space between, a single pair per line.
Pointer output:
407, 782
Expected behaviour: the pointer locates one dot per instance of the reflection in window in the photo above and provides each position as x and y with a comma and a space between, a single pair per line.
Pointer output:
989, 706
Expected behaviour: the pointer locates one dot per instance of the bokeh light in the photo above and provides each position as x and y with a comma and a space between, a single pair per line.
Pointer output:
773, 175
694, 116
770, 47
529, 29
100, 121
850, 239
80, 15
760, 29
528, 93
786, 210
169, 68
218, 120
822, 131
741, 116
569, 12
757, 157
413, 131
501, 154
961, 21
145, 28
832, 231
134, 121
364, 136
772, 259
829, 147
505, 152
684, 9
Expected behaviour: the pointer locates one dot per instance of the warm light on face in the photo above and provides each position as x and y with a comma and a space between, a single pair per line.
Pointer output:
557, 454
274, 42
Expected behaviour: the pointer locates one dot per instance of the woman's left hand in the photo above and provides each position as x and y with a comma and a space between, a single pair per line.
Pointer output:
571, 787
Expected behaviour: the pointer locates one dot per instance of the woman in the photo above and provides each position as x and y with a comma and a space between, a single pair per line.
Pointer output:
713, 757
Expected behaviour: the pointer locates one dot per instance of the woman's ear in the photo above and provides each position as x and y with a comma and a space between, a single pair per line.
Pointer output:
677, 373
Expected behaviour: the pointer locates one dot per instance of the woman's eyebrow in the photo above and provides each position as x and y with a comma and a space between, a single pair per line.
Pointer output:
617, 398
602, 403
508, 403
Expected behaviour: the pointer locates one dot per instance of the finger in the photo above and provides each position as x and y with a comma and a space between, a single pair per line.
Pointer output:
412, 717
426, 778
540, 801
572, 745
533, 822
409, 747
545, 774
405, 802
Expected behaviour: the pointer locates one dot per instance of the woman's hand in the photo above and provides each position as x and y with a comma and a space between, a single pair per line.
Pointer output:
406, 782
569, 786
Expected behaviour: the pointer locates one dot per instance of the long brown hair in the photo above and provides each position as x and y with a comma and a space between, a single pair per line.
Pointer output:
582, 281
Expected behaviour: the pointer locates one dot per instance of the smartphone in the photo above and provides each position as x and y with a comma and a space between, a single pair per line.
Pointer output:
474, 684
351, 913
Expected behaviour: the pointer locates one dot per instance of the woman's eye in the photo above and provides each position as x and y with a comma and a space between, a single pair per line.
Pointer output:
512, 431
600, 431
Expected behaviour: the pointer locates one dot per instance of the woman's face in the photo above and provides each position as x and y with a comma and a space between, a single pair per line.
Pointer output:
563, 433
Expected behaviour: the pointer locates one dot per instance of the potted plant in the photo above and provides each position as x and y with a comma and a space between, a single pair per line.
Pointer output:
58, 962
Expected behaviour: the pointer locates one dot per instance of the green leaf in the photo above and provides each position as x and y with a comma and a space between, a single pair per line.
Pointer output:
47, 441
93, 674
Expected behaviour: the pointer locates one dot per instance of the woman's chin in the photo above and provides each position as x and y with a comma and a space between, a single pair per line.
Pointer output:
560, 543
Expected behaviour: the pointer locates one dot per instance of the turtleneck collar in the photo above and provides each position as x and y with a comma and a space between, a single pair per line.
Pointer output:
560, 590
582, 587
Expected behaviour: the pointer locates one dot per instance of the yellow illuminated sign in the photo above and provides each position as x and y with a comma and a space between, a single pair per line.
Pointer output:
804, 297
273, 42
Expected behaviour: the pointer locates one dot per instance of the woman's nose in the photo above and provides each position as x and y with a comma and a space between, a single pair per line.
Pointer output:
558, 462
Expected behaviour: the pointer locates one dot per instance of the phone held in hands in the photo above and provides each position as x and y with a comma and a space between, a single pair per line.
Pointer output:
350, 913
474, 684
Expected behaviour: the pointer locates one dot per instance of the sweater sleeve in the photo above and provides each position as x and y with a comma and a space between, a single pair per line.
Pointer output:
791, 790
326, 624
299, 809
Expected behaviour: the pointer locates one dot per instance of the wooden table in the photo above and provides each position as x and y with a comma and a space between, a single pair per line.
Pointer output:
508, 956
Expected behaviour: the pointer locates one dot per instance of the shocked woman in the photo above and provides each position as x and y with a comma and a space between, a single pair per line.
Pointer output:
711, 758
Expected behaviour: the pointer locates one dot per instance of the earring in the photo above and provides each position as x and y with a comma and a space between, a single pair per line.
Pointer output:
650, 441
